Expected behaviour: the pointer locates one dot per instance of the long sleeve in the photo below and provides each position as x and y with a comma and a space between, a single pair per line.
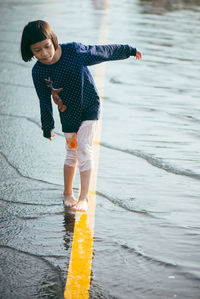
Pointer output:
46, 110
90, 55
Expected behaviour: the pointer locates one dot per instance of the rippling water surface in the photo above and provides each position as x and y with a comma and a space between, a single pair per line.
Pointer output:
147, 232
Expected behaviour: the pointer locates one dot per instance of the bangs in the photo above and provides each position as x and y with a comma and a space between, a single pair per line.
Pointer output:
38, 32
37, 36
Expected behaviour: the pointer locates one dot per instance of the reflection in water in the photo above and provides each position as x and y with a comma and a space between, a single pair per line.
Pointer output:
99, 4
155, 106
162, 6
69, 220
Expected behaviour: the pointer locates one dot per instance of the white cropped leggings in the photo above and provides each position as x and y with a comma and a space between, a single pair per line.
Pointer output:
79, 146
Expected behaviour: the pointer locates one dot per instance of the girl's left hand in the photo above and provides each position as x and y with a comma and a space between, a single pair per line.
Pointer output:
52, 135
138, 55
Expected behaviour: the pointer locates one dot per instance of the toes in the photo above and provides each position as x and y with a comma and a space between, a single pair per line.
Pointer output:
69, 202
80, 206
69, 205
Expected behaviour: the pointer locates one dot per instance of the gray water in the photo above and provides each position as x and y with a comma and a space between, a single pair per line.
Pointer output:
147, 230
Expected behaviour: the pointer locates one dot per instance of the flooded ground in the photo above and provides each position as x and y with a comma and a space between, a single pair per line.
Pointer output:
147, 231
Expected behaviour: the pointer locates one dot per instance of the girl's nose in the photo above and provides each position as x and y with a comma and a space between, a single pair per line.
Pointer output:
44, 52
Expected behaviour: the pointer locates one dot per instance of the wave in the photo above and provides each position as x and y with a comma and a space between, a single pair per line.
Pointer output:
135, 251
6, 247
15, 84
11, 253
29, 203
24, 176
116, 201
184, 116
181, 269
32, 120
124, 205
14, 63
146, 257
116, 81
156, 162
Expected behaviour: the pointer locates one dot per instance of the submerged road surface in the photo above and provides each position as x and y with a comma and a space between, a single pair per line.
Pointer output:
145, 227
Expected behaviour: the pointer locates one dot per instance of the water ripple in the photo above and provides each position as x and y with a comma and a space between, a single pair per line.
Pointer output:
125, 206
156, 162
29, 203
41, 278
15, 84
24, 176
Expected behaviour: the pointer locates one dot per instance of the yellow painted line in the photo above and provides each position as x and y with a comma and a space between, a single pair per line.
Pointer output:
80, 265
96, 142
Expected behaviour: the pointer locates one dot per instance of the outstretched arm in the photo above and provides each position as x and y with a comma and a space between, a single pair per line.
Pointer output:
90, 55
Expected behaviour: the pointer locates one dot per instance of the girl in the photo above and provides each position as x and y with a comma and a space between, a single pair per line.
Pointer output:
61, 71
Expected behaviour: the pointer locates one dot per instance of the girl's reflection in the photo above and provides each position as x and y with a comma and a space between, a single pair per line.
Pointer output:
68, 222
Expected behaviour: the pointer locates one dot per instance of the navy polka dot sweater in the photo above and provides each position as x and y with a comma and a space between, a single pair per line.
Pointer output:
71, 73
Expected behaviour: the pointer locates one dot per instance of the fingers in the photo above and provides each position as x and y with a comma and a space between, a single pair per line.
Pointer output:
52, 135
138, 55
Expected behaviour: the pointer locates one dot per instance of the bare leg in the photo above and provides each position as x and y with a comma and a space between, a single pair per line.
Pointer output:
68, 199
82, 203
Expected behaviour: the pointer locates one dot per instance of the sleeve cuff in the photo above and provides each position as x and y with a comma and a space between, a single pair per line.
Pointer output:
133, 51
47, 133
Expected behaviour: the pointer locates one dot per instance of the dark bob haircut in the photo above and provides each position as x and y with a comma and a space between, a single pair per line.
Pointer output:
33, 33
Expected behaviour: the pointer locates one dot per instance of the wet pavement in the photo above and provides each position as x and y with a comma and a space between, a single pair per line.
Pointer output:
146, 240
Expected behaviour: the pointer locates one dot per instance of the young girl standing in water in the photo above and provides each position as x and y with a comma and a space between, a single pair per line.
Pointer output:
61, 71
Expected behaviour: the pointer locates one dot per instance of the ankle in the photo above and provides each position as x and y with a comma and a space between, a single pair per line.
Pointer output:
83, 198
68, 193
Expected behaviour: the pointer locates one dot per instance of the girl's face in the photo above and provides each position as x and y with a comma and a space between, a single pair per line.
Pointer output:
44, 51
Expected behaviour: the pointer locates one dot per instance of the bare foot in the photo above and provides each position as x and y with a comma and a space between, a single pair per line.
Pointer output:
69, 200
81, 205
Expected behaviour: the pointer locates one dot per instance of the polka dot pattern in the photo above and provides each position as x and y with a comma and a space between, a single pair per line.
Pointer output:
79, 92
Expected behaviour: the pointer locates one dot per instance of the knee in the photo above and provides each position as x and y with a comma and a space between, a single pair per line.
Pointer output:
71, 158
84, 152
85, 157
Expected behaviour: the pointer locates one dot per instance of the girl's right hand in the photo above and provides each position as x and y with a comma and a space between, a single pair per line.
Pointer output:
52, 135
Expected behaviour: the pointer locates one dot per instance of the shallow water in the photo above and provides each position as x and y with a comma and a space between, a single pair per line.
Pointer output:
147, 232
